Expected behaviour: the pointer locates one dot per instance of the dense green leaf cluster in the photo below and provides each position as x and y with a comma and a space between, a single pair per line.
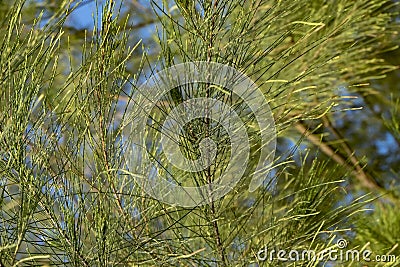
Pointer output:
67, 196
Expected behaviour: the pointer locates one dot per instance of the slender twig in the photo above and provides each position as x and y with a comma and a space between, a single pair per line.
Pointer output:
365, 179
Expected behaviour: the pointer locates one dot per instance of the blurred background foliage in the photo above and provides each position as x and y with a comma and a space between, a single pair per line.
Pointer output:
68, 70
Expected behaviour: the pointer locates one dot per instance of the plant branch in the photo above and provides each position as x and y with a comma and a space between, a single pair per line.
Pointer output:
362, 176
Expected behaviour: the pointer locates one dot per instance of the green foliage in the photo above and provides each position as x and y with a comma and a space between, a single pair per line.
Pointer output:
67, 198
